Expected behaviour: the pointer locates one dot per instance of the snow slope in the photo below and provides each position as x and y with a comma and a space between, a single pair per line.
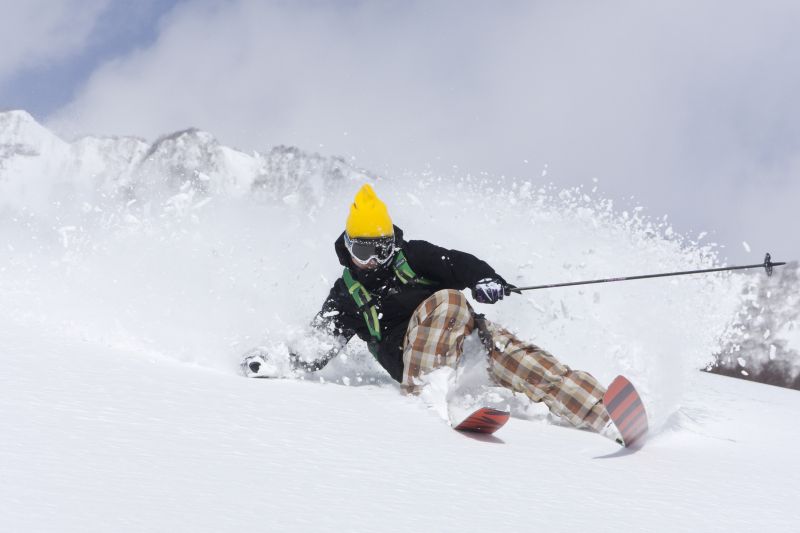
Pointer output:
133, 275
99, 439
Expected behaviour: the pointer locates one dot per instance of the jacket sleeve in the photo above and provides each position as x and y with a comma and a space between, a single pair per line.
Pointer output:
452, 268
329, 332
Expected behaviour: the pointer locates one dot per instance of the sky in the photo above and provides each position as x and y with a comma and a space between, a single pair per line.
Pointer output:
687, 108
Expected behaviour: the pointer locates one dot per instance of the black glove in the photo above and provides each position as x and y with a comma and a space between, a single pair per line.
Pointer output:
257, 363
490, 290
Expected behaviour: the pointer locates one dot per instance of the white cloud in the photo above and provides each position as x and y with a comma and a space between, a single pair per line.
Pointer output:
36, 32
674, 102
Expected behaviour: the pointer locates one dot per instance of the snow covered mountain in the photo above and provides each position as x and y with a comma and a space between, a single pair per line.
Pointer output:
134, 274
35, 163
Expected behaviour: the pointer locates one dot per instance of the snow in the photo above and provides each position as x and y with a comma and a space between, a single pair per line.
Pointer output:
131, 287
99, 439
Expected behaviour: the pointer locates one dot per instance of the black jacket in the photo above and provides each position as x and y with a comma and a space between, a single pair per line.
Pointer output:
450, 269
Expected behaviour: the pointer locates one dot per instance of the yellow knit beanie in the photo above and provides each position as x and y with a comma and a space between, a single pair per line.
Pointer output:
368, 216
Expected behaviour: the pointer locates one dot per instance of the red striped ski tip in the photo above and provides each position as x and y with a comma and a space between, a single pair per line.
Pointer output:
485, 420
626, 409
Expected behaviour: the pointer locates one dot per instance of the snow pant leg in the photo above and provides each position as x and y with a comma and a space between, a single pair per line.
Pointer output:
524, 367
435, 335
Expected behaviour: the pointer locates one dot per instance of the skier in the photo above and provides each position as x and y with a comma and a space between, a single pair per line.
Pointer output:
404, 299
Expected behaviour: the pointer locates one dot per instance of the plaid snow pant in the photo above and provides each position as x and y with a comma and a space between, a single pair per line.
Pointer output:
435, 338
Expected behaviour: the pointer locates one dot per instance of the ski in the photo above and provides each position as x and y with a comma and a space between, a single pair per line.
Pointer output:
485, 420
627, 411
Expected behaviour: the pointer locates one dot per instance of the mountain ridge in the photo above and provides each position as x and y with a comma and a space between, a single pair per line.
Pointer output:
131, 168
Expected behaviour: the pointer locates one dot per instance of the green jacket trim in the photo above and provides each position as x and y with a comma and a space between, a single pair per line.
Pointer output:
364, 301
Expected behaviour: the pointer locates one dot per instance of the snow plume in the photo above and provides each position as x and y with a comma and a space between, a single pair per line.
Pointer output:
189, 250
764, 343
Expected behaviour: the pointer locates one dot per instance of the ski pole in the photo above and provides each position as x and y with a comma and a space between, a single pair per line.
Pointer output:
766, 265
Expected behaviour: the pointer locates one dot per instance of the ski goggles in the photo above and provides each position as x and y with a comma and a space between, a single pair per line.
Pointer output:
365, 250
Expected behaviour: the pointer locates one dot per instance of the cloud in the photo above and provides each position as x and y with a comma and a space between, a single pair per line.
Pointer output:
38, 32
685, 105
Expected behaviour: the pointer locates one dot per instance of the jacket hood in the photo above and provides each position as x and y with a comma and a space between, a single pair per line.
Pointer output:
344, 255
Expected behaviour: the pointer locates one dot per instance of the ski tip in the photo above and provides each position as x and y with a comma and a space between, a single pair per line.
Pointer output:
485, 420
626, 409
